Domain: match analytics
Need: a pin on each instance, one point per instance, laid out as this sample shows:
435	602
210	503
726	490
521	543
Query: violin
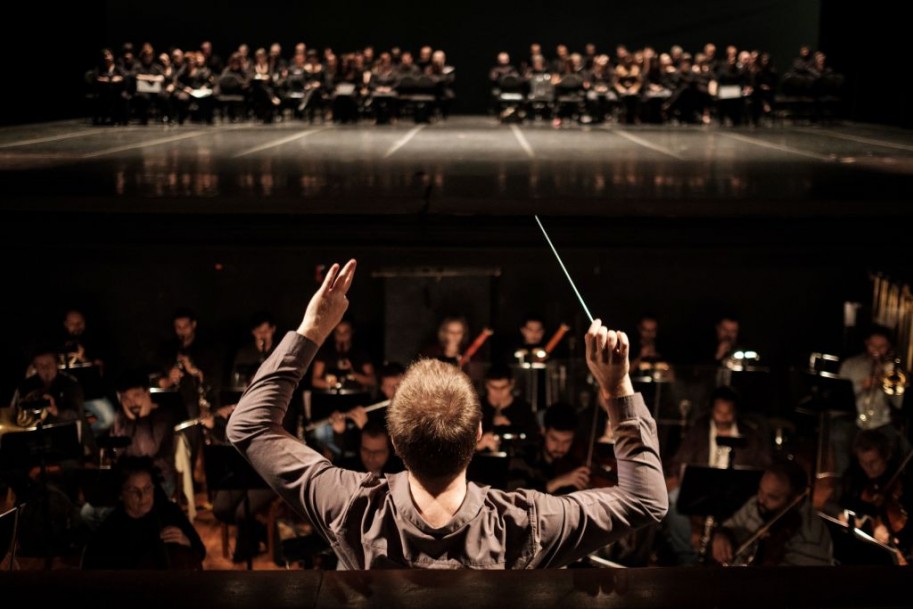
767	546
887	500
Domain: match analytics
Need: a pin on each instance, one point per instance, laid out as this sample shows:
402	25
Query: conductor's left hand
328	304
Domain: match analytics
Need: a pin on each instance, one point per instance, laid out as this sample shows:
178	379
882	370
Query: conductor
429	516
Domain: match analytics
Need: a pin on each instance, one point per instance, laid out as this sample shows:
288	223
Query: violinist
792	539
549	465
879	487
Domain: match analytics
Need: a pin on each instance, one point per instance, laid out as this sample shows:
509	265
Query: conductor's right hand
607	359
328	304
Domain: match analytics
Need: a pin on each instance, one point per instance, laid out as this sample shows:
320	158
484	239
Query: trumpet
894	379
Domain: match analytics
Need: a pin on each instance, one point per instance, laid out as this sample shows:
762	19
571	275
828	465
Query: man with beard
550	467
795	539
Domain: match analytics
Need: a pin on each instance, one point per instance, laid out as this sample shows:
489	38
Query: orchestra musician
874	407
452	337
700	447
340	362
250	356
646	350
48	394
878	489
501	408
145	530
188	365
794	538
549	465
149	426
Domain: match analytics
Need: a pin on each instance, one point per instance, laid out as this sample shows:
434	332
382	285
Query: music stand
227	470
9	522
99	486
324	403
489	468
710	491
824	395
853	547
40	446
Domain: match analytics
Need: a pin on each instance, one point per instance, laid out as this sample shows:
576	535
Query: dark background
62	42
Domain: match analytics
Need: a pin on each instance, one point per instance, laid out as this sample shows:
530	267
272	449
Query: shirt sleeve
811	546
572	526
298	473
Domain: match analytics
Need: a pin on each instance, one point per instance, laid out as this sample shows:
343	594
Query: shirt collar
405	507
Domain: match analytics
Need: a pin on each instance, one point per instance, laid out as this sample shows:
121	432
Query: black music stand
853	547
824	395
324	403
710	491
40	446
489	468
9	522
227	470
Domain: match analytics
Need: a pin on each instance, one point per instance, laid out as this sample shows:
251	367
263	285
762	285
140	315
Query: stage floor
464	166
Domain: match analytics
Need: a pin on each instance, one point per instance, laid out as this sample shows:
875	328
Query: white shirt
719	455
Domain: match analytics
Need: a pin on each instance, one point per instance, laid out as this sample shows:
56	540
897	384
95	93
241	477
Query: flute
326	421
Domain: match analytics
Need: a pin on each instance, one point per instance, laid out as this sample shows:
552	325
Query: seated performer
254	353
549	466
877	483
452	336
47	395
145	531
149	426
501	408
436	518
794	539
375	455
341	363
700	447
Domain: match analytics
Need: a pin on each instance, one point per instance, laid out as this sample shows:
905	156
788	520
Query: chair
569	97
417	95
511	98
541	97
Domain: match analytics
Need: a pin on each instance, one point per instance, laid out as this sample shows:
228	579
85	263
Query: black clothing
123	542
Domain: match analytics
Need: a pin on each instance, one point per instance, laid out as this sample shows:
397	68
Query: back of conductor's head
434	421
